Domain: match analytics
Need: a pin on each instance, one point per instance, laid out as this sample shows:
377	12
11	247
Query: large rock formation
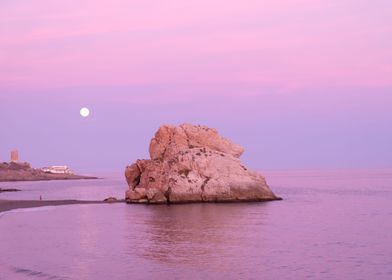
193	164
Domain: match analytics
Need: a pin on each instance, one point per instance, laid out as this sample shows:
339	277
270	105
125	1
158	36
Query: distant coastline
46	177
10	172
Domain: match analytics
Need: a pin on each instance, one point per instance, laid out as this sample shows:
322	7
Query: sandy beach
6	205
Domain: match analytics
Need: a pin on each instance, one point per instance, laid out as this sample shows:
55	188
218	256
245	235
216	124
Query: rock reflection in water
199	235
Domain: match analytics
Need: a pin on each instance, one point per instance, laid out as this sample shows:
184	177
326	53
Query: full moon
84	112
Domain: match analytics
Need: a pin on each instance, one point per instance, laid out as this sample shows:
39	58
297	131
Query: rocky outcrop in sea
192	163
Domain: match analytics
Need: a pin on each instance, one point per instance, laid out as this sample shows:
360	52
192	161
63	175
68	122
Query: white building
57	169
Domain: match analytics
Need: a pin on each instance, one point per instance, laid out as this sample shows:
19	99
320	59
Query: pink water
330	225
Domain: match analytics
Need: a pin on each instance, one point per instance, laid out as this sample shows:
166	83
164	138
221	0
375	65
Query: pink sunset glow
291	44
195	139
269	62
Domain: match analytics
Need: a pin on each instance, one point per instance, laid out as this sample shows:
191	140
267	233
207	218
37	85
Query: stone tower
14	156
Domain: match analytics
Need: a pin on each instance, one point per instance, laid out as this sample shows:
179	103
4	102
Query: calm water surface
330	225
111	184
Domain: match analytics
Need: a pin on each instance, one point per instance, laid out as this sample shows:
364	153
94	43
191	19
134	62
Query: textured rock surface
193	164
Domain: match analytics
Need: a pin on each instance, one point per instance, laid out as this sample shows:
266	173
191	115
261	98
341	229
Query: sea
331	224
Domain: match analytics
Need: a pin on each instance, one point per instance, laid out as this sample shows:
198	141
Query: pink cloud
290	45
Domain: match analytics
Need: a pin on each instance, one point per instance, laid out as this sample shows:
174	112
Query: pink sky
325	66
281	44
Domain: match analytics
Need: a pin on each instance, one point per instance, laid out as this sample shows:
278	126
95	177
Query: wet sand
6	205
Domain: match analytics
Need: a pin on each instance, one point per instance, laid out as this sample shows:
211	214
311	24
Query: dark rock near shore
110	199
9	190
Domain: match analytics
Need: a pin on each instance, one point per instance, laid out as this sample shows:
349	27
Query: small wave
38	274
23	210
30	209
9	271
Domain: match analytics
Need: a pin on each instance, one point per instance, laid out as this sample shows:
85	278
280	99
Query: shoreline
7	205
16	171
52	178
